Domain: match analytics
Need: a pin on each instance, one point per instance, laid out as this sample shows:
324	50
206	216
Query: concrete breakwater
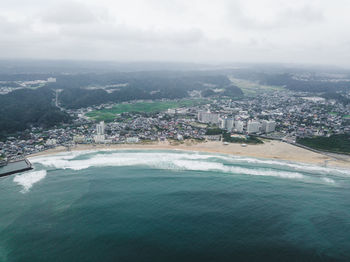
15	167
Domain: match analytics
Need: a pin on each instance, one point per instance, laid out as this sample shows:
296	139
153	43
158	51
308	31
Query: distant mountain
88	90
78	67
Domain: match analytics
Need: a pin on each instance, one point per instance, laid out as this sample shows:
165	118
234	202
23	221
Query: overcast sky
298	31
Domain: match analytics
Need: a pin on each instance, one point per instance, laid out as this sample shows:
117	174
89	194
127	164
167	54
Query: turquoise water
173	206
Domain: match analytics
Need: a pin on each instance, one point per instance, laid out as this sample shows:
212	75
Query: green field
109	114
252	89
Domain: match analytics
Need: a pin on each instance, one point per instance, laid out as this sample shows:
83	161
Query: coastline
275	150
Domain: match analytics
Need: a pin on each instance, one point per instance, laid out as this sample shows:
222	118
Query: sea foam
27	180
188	161
60	160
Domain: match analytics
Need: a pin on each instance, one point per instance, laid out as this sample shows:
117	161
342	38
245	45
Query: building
100	128
268	126
171	111
51	142
180	137
79	139
213	137
132	140
228	124
239	125
181	111
253	127
99	138
100	133
209	118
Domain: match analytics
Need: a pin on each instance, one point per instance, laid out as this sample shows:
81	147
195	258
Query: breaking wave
190	161
294	166
27	180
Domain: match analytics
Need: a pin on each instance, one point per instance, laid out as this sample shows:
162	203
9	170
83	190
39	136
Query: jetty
13	167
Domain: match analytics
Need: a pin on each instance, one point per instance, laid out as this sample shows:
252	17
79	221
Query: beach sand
269	150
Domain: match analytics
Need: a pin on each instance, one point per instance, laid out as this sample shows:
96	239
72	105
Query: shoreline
273	150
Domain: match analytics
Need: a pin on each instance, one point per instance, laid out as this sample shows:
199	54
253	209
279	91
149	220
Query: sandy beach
269	150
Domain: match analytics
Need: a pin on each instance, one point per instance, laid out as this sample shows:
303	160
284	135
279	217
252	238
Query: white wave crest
172	161
282	163
211	166
79	160
61	156
27	180
59	160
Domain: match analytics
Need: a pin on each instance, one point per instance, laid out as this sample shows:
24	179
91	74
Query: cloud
277	18
177	30
304	15
124	34
69	13
8	27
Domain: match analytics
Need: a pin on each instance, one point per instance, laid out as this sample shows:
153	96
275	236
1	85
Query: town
282	115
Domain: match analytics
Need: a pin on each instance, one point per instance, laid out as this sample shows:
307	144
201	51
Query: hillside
22	108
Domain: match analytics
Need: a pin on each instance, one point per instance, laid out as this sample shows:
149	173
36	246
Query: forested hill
22	108
289	81
88	90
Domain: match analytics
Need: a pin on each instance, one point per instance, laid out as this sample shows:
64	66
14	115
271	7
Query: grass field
251	89
147	107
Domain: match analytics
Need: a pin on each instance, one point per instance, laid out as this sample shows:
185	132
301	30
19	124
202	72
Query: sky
200	31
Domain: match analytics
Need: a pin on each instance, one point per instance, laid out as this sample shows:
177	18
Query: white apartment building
100	128
207	117
253	127
239	126
268	126
100	133
228	124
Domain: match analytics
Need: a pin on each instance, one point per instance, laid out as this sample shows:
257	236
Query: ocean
144	205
